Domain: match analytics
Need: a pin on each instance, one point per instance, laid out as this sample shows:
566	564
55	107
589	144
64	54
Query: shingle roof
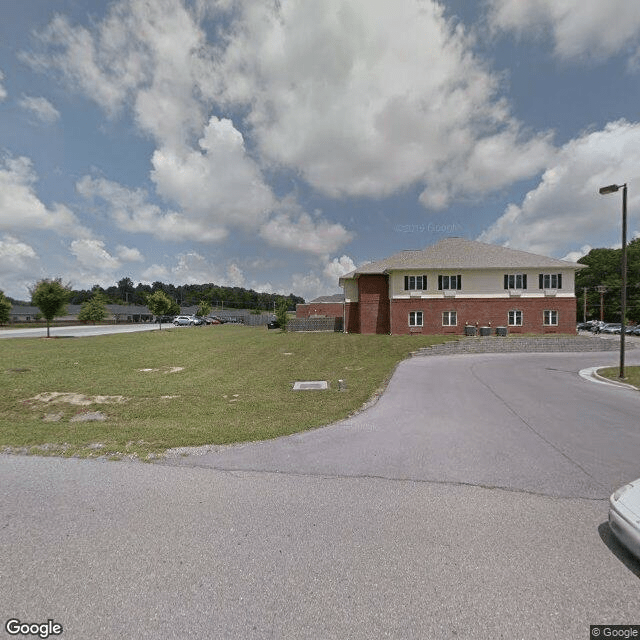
458	253
336	297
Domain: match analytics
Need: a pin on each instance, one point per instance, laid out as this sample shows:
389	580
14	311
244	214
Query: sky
278	144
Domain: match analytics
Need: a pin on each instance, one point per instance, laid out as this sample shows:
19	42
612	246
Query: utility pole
601	290
584	304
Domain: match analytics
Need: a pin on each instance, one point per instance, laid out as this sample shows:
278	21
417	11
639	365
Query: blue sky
277	144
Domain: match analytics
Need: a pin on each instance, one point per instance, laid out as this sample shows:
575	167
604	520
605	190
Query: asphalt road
469	502
80	331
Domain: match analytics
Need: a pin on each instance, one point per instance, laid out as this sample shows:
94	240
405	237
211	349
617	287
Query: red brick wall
373	296
351	317
484	312
326	309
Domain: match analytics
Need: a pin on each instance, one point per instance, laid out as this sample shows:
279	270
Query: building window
515	280
449	319
415	318
515	318
449	282
415	283
550	318
550	281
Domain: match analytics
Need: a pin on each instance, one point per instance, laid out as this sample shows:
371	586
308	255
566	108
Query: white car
624	516
183	320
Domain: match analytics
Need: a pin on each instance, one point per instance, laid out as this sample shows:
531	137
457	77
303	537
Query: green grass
632	374
234	385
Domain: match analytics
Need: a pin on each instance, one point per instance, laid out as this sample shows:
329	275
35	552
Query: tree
5	308
204	309
604	269
50	296
281	313
160	304
94	310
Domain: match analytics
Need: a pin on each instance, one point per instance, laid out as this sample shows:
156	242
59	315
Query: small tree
281	313
204	309
5	308
94	310
50	296
160	304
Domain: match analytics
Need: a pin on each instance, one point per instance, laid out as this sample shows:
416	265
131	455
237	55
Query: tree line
601	282
187	295
51	296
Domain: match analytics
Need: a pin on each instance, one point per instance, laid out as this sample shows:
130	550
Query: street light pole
613	188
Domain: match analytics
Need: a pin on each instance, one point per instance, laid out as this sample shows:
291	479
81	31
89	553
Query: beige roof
457	253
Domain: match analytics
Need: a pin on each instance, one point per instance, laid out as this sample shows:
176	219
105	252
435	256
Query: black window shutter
524	280
540	281
440	283
506	281
424	282
406	283
559	281
459	283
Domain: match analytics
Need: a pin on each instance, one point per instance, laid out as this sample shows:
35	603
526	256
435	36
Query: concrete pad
310	385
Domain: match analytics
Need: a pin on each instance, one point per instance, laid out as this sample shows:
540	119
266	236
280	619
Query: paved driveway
524	421
388	525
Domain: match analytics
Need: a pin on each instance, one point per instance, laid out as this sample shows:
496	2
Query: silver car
183	320
624	516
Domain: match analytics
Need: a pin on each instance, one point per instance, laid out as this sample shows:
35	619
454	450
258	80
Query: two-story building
458	283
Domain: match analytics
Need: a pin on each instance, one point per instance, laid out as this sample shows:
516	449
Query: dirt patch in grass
54	397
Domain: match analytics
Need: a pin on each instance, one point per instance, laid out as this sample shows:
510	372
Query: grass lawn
632	374
184	387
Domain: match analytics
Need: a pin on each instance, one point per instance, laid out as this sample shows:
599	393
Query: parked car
215	320
624	516
611	327
183	320
274	324
636	330
164	319
197	320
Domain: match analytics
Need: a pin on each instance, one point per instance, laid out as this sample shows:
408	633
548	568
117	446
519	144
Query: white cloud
131	211
338	267
156	273
592	30
129	254
3	91
360	97
296	230
41	108
20	207
19	266
565	210
149	55
193	268
91	254
574	256
323	280
366	97
218	184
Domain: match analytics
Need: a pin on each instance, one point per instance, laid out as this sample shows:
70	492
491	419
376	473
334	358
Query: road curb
591	373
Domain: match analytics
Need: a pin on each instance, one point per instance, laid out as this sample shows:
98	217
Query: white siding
478	283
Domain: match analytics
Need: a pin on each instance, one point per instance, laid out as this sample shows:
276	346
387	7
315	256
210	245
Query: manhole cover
310	384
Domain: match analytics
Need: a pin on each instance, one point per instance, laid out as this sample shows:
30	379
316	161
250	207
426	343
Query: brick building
322	307
456	284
